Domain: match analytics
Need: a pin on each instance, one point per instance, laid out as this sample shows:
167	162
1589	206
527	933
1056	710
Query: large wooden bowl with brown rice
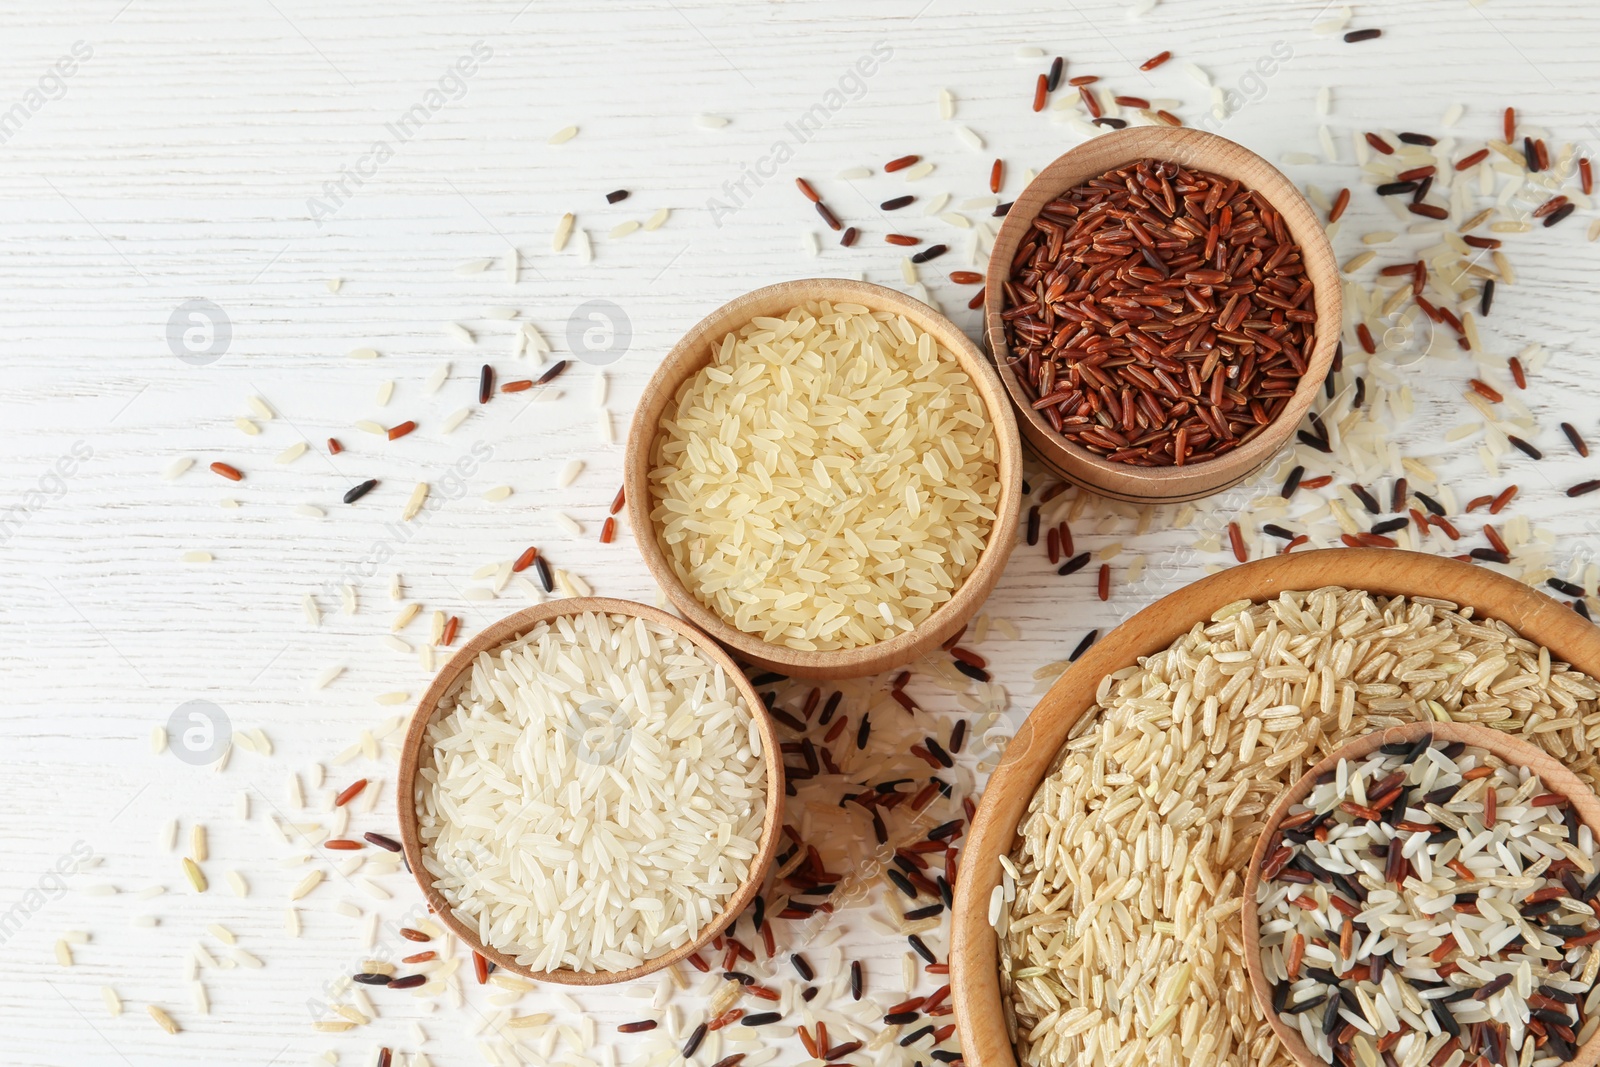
1217	1012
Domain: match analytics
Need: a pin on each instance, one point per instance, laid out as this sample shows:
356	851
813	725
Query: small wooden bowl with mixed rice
596	749
1197	151
863	457
1548	637
1555	780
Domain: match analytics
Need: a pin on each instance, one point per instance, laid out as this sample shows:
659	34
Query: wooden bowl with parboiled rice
1124	812
1142	352
590	790
1433	879
825	476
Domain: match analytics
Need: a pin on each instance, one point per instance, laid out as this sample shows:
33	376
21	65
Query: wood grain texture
178	164
693	352
1199	150
1514	751
973	953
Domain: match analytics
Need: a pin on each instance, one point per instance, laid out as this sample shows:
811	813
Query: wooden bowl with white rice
590	791
826	477
1128	745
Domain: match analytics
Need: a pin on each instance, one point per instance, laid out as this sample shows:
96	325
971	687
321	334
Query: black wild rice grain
759	912
857	980
1419	138
802	967
1361	390
1305	1005
1368	501
1291	483
410	981
902	883
1053	79
740	977
849	236
372	979
730	1061
937	749
829	217
808	994
1559	213
829	708
921	949
1581	608
1272	529
1000	210
357	492
767	678
760	1018
1489	555
1389	526
863	732
944	1055
1396	188
1561	585
944	830
1361	35
916	1035
958	735
897	202
1033	525
1083	646
1494	985
542	565
946	893
387	843
1111	124
1584	487
1487	299
1313	441
1433	506
1397	496
644	1026
616	195
691	1046
1576	438
552	374
918	914
931	252
1530	155
485	384
1075	564
1524	447
899	1018
975	673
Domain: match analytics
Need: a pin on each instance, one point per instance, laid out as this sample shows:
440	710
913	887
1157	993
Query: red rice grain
849	236
903	239
828	216
1509	123
334	447
1379	144
608	530
522	385
977	299
997	172
900	164
1041	92
965	277
450	627
1155	61
350	792
1236	541
1518	375
1340	202
1472	160
1585	175
228	471
1499	503
1133	101
1089	101
1083	79
806	190
1485	390
1104	586
619	500
397	432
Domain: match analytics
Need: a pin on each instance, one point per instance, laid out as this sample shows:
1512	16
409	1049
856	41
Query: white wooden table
245	154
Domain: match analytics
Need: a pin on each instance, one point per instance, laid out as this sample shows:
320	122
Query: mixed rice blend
1118	916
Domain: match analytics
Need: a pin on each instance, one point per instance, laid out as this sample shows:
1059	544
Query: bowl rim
444	684
1552	772
1205	151
692	351
974	953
